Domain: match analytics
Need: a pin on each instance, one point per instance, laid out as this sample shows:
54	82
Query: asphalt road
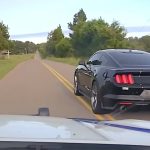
41	83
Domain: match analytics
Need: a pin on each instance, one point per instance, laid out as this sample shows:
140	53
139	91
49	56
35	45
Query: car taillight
124	79
130	79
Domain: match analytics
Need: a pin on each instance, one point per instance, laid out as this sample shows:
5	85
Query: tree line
15	47
4	37
88	36
19	47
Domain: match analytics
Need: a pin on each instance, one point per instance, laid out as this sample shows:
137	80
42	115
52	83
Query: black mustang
114	77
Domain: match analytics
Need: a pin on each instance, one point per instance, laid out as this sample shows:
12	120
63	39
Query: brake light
124	79
118	78
130	79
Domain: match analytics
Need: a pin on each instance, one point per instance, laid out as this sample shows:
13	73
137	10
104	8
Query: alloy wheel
94	97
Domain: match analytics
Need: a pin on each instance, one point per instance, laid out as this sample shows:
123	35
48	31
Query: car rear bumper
111	101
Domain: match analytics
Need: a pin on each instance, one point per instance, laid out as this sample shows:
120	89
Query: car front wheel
76	88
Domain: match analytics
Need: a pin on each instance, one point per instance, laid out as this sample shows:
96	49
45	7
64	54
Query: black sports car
113	78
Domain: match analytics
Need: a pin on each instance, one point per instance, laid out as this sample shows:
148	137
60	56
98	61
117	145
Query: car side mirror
89	63
96	62
82	62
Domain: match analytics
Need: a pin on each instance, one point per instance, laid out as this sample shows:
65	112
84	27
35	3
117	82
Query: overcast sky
35	16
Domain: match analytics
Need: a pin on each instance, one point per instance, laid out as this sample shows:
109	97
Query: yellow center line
110	117
61	76
69	86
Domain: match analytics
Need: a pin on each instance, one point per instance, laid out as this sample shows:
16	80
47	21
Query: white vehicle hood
52	129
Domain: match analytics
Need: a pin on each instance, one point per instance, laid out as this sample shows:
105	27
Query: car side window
104	61
95	59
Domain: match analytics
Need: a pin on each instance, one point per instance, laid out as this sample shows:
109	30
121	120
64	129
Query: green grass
8	64
67	60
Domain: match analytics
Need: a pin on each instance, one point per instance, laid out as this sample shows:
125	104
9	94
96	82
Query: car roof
110	51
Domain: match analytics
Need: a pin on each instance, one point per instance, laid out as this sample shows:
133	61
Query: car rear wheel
96	101
76	88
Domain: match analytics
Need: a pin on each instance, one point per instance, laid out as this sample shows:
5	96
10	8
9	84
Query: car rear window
132	58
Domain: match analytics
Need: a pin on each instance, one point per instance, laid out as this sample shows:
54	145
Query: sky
25	17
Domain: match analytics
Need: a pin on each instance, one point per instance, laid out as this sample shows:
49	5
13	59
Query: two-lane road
42	83
30	86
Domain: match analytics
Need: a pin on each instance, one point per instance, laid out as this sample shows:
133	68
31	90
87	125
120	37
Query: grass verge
8	64
68	60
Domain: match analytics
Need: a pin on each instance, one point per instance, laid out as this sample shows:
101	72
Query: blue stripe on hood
93	121
128	127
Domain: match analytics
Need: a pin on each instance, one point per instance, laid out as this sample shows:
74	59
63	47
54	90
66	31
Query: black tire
76	88
96	101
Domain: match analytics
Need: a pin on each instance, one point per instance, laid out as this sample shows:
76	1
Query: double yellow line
69	86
